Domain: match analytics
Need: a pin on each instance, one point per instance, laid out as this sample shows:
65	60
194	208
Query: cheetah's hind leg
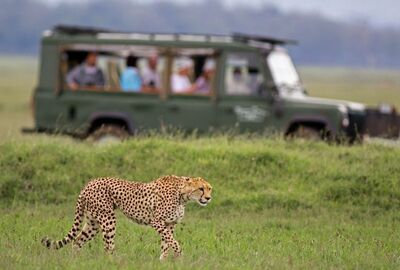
90	229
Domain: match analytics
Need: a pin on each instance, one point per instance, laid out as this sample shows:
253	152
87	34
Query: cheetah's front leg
176	247
107	225
167	239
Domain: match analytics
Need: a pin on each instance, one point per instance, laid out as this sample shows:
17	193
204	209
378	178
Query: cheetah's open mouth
203	202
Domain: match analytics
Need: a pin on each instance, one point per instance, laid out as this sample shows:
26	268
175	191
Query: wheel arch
98	119
317	122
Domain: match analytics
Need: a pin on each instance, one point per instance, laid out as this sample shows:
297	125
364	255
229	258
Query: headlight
345	112
345	122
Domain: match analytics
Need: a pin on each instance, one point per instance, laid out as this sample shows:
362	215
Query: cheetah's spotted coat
159	204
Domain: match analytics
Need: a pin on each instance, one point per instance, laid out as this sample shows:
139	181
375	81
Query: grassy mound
276	204
246	173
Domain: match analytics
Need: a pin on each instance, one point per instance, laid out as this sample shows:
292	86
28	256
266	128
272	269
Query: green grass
272	238
276	204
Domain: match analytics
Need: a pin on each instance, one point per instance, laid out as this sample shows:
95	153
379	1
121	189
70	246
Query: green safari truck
99	83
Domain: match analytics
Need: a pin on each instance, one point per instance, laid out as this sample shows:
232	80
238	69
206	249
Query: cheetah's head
198	190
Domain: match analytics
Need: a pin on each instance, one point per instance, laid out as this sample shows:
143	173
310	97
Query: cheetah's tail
71	235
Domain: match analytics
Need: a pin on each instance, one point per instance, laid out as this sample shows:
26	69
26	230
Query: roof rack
103	33
79	30
107	33
240	37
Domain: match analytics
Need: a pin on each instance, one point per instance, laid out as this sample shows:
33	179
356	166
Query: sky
377	12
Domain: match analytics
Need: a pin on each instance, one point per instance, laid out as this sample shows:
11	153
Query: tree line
322	41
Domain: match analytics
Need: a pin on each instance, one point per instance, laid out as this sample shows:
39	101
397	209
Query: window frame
262	70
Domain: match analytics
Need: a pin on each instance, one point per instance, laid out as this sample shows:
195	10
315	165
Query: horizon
323	41
360	10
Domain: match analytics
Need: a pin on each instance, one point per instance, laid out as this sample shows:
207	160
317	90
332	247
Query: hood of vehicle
352	106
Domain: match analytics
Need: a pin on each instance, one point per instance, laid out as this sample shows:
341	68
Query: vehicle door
242	101
192	106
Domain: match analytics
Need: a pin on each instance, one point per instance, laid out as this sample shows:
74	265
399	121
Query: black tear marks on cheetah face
160	204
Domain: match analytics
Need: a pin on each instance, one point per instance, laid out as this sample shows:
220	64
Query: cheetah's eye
201	189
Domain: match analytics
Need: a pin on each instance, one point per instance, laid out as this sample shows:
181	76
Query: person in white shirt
180	82
150	76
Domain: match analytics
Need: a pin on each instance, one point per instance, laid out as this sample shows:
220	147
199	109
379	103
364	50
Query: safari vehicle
254	87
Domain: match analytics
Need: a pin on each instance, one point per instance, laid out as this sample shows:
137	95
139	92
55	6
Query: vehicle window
117	69
142	74
243	75
193	72
282	69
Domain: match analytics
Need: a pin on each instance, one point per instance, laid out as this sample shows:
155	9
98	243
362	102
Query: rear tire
109	133
307	133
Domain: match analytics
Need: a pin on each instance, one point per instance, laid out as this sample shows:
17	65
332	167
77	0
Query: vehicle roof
74	34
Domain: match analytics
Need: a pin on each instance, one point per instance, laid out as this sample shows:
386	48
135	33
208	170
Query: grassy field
18	78
276	204
368	86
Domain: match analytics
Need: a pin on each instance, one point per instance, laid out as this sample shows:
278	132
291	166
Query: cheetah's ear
188	186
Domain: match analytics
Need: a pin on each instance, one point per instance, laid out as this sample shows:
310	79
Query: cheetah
159	204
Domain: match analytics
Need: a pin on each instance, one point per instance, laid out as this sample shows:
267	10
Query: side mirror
270	96
270	93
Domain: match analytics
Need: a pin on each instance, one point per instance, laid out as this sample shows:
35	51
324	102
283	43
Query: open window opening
243	75
193	71
113	68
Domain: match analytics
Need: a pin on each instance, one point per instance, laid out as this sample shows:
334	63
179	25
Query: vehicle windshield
284	73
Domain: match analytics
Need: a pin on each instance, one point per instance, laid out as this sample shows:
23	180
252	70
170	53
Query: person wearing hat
180	82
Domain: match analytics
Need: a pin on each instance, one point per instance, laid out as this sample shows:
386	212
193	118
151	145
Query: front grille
379	124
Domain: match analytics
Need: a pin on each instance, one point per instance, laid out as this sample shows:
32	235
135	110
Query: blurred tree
322	41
